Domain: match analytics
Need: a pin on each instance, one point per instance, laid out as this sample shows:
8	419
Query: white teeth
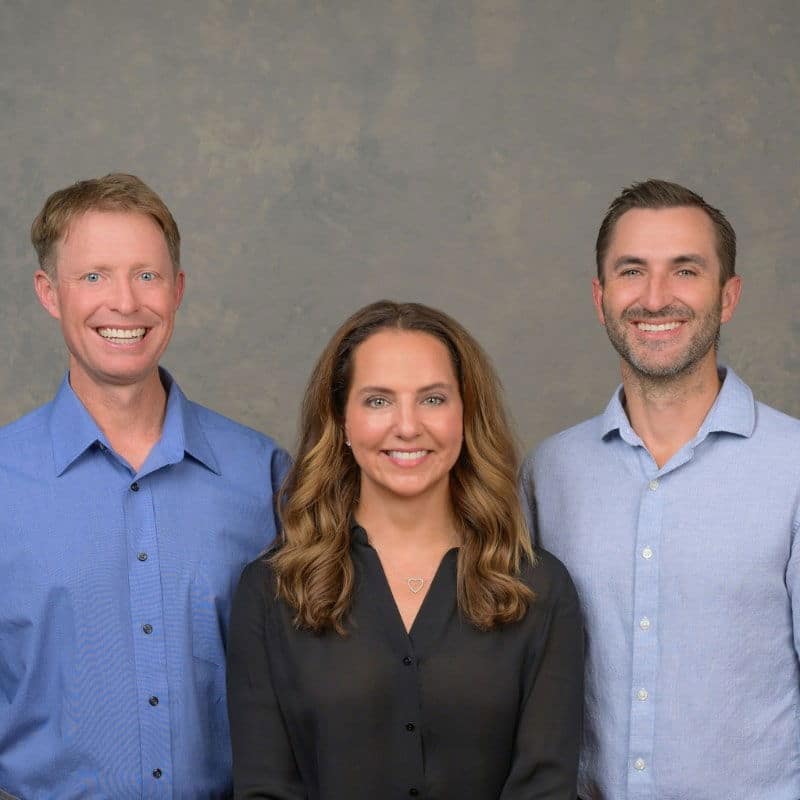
402	455
118	335
663	326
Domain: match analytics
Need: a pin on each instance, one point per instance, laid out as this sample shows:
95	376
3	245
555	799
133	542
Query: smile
406	455
657	326
122	335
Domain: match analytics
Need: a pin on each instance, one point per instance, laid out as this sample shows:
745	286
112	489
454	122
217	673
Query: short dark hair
654	193
114	192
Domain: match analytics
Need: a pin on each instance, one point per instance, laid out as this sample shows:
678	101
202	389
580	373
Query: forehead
662	233
111	237
391	357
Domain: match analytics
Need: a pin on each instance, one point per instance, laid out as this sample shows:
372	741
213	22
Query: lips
407	455
122	335
657	327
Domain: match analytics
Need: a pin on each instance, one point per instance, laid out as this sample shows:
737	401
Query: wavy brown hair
313	567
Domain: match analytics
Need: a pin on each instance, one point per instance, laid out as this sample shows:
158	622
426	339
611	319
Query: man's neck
130	416
666	413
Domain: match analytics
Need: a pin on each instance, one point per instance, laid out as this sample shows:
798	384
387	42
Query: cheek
451	431
363	428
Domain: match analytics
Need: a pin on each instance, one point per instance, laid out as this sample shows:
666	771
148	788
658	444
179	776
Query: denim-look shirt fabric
689	578
116	591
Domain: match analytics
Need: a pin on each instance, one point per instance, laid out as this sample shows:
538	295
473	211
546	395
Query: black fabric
445	712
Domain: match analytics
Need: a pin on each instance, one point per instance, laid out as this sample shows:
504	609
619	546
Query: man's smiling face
115	294
661	300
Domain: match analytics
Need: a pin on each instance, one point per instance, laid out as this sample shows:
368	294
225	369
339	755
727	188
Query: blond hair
114	192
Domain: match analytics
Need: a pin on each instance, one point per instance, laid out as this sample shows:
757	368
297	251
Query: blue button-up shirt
689	576
115	590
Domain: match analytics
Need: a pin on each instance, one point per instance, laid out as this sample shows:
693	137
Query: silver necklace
415	584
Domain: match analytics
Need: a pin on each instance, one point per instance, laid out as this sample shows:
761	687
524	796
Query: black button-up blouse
445	712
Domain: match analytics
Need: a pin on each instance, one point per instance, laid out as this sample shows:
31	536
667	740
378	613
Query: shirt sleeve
279	466
545	759
527	496
263	762
793	583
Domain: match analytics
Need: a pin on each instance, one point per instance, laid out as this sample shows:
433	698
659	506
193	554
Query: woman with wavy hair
403	639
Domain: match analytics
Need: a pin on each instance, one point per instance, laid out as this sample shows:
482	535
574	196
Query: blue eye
148	276
377	402
434	400
92	277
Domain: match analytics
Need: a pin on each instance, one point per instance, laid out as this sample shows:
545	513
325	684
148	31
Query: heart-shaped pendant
415	584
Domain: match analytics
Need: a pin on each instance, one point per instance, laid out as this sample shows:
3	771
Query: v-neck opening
423	612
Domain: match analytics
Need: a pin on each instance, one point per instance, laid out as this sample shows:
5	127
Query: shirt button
642	694
647	552
153	701
639	764
653	485
135	486
413	791
409	726
644	624
157	773
147	628
142	556
408	661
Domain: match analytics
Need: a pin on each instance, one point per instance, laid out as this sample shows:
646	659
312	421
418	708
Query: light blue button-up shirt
115	590
689	577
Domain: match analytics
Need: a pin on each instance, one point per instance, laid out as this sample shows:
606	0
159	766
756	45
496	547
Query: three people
128	514
676	511
403	639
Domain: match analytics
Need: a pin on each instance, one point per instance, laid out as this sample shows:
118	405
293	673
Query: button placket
645	634
147	616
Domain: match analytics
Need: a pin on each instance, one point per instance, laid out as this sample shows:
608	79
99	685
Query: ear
597	298
731	292
180	285
45	288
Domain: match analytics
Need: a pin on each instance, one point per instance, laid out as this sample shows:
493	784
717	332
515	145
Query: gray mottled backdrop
319	155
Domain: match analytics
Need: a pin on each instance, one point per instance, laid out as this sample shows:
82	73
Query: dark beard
704	339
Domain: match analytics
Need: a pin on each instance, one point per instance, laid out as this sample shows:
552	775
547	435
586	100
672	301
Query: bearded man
677	512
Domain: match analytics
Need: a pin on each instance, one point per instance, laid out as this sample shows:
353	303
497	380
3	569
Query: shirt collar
357	533
733	412
182	433
73	430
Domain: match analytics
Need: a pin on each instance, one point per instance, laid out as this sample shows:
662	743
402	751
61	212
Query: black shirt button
409	726
142	556
135	486
408	661
147	628
413	791
157	773
153	701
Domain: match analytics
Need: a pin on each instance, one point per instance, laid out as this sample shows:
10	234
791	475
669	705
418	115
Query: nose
407	421
656	294
123	297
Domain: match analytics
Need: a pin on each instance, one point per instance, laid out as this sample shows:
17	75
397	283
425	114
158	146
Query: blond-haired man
129	512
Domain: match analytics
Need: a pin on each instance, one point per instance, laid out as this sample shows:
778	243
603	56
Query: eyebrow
432	387
683	258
